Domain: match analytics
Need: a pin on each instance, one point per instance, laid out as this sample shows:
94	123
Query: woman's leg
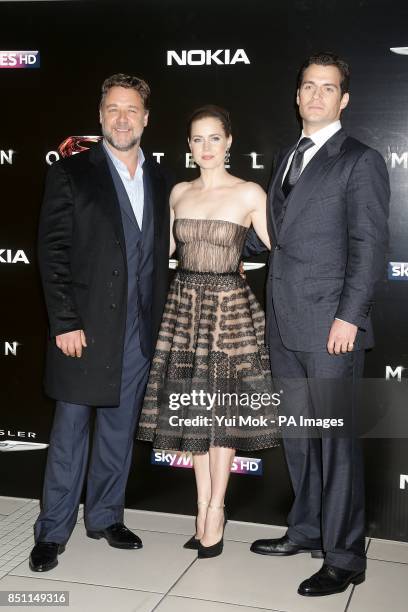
201	464
220	461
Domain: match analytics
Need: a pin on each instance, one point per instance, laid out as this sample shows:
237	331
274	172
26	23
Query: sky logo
19	59
398	270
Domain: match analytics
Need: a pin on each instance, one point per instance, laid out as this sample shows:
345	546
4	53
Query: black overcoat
82	259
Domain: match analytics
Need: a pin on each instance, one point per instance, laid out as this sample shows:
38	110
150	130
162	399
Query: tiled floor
163	576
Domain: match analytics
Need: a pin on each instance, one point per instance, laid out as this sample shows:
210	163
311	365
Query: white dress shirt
319	138
133	185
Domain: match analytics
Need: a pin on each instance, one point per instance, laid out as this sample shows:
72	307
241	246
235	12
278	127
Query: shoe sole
94	535
50	566
359	579
315	554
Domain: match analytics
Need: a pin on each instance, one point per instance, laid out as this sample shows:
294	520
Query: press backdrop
244	56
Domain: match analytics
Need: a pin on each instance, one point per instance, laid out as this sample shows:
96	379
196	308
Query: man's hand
341	337
71	343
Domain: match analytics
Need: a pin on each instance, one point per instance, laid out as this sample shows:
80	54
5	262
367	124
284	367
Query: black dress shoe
207	552
117	535
44	556
329	580
280	547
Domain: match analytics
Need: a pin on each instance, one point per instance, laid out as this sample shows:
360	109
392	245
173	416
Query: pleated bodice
209	245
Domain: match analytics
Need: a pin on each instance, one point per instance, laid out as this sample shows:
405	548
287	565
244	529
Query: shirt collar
322	136
118	163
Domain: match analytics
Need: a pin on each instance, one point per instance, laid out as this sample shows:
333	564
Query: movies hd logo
206	57
178	459
19	59
398	270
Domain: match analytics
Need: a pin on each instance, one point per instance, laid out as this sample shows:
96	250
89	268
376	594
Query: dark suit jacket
329	251
83	265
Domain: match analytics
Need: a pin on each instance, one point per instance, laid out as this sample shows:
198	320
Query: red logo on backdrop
76	144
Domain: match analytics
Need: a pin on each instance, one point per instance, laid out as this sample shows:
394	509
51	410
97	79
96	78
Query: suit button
137	277
278	247
117	242
113	306
115	273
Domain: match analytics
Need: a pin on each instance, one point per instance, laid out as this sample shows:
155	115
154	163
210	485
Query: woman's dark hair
129	82
328	59
210	110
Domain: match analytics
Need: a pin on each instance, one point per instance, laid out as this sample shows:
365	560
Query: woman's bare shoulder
252	188
178	190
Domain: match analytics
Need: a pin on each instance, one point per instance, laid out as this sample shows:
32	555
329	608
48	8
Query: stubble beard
121	147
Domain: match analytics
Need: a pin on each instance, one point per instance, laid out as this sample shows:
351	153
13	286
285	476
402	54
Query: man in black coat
103	255
327	218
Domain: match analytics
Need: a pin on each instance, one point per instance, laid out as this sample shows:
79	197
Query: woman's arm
175	196
258	213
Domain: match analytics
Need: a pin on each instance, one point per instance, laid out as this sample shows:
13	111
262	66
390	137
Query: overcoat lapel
107	193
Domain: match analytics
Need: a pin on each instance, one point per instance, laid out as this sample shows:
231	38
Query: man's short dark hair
328	59
129	82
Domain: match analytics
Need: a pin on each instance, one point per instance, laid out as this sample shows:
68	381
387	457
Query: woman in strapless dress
211	367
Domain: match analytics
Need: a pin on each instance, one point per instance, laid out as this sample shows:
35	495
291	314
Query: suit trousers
325	465
110	458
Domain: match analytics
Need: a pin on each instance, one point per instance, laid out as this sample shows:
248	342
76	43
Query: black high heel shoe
193	542
206	552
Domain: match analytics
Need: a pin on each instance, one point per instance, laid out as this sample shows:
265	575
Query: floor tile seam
226	538
144	530
12	515
388	561
102	586
14	543
17	536
26	507
18	554
226	603
174	584
22	513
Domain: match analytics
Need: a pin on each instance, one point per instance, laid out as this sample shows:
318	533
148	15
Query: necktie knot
304	144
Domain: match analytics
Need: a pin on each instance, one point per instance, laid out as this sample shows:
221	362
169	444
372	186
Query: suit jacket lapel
311	178
107	193
275	183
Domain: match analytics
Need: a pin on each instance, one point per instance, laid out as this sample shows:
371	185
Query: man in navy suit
103	254
327	219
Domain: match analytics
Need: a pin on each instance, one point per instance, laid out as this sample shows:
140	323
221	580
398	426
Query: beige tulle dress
211	350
